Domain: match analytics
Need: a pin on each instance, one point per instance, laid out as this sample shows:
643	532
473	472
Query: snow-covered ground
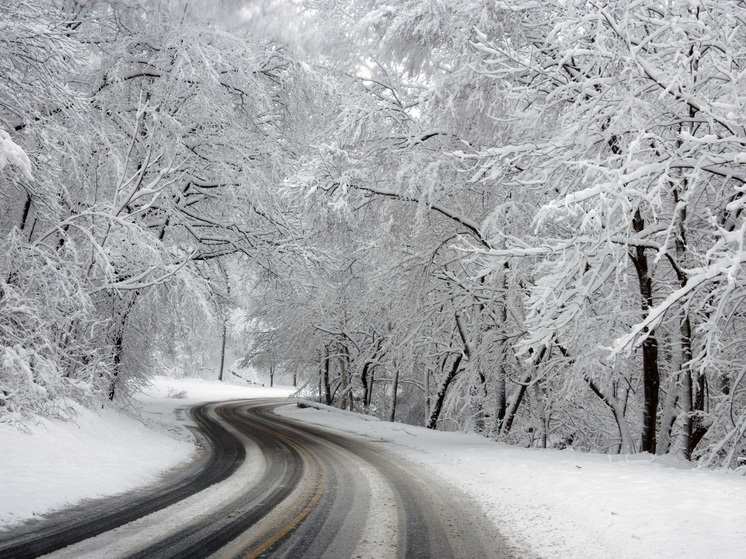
558	504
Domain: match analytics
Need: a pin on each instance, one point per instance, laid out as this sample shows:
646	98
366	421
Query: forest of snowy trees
519	218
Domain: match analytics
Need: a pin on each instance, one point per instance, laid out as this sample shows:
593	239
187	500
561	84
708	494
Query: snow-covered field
558	504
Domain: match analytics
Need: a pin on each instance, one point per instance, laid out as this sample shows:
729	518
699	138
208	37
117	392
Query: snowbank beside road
571	505
61	463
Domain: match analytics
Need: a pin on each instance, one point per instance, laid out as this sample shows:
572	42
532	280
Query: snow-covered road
555	504
272	486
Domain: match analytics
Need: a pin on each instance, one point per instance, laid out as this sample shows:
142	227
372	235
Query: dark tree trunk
501	400
650	373
394	393
440	397
651	385
325	378
24	214
343	359
480	394
618	411
370	389
118	344
517	398
222	353
515	403
366	388
698	428
501	396
118	348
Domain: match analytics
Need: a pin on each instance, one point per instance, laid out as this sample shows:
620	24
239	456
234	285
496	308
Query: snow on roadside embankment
60	463
102	452
571	505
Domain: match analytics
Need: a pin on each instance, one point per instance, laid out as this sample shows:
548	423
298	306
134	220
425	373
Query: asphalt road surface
267	486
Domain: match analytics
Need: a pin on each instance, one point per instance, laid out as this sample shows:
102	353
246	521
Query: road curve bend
273	487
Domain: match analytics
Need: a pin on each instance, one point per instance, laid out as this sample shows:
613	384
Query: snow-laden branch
726	267
559	247
671	88
136	282
471	225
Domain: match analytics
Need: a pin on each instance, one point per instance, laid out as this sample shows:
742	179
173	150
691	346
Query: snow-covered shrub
47	354
29	383
176	394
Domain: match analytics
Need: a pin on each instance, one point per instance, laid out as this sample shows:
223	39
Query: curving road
269	486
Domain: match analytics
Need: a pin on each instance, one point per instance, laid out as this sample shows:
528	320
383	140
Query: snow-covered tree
637	162
157	142
581	165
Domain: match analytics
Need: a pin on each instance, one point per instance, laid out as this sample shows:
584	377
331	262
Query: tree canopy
524	219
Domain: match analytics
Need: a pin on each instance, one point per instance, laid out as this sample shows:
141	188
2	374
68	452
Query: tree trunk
440	396
118	344
687	400
370	391
327	384
118	348
515	403
394	390
445	382
543	417
501	395
366	387
479	393
345	401
651	385
25	213
222	352
668	417
617	409
692	395
692	390
501	402
427	394
650	373
366	375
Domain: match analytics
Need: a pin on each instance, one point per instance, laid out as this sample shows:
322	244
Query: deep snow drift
558	504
